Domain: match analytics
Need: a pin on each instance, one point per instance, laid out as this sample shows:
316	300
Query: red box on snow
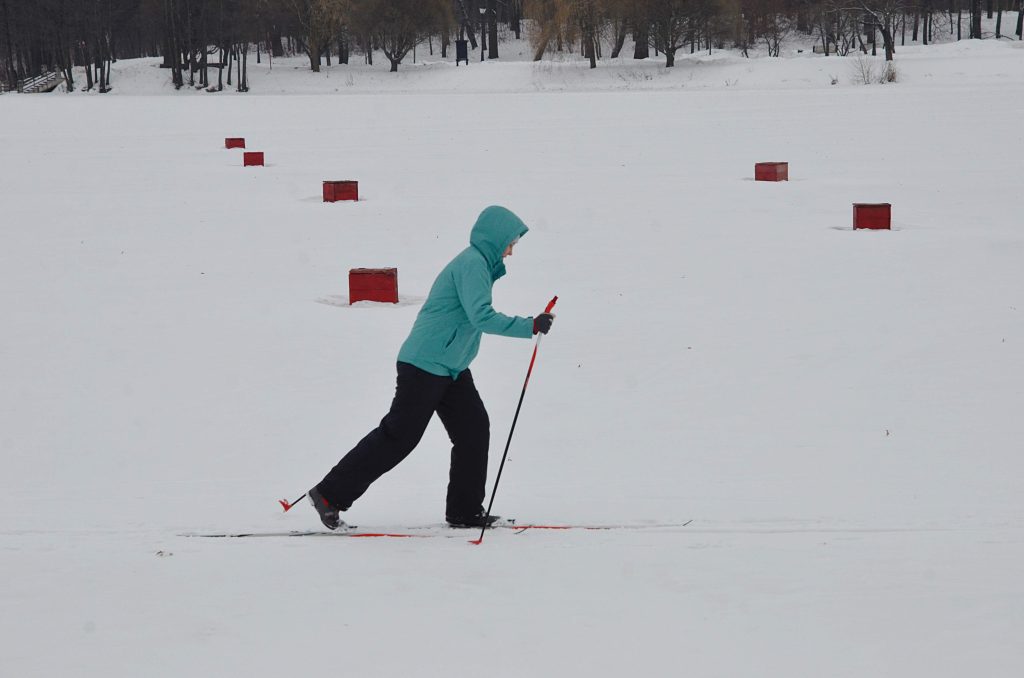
341	190
373	284
253	159
876	216
234	142
771	171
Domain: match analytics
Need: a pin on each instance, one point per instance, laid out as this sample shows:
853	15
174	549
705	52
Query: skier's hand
542	323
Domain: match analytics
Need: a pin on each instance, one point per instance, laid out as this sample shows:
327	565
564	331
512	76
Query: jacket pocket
451	340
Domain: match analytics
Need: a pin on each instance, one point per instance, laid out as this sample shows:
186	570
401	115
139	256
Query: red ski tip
285	504
476	541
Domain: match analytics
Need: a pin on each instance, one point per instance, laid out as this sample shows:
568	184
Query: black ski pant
418	394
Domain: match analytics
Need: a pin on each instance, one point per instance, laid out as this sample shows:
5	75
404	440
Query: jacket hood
493	232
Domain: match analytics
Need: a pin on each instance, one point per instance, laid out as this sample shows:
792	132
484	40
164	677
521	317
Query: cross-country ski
429	530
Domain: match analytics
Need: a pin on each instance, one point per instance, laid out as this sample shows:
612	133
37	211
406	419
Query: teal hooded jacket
446	335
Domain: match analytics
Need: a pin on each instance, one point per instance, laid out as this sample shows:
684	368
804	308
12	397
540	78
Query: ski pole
551	305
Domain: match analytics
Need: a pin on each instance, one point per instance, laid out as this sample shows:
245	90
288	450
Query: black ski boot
328	514
478	520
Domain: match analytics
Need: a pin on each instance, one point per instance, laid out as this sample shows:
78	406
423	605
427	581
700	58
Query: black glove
542	323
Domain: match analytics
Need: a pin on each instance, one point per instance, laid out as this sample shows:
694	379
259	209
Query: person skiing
434	376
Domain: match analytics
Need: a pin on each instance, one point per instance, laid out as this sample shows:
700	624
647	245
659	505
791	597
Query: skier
434	376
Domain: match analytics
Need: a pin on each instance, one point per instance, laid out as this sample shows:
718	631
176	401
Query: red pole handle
551	304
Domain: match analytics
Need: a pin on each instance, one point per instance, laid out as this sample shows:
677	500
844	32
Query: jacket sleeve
473	285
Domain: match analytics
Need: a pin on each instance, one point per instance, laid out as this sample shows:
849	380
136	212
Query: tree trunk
887	38
542	46
976	19
670	58
314	53
1020	20
483	36
12	79
88	71
999	22
238	61
172	52
188	45
276	48
65	59
492	29
641	48
516	18
620	39
168	52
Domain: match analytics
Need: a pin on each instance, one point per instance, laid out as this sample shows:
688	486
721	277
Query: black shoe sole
459	524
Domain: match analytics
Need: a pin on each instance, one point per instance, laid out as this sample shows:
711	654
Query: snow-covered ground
942	65
838	412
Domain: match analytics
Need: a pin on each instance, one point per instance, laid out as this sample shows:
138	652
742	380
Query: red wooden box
373	284
872	215
341	190
771	171
253	159
234	142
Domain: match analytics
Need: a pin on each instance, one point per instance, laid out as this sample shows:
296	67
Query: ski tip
284	503
477	542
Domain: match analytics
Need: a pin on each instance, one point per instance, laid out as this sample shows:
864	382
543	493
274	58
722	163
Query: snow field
837	411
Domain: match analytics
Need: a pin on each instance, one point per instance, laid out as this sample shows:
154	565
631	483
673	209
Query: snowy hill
837	411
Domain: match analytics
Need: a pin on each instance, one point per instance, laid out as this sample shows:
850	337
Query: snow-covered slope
838	412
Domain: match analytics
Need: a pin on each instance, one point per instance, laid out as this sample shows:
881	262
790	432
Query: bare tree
670	26
549	20
882	15
320	20
588	19
397	26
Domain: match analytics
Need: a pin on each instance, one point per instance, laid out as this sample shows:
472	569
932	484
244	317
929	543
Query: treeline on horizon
196	38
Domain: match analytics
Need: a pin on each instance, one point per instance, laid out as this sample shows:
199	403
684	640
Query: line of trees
195	37
668	26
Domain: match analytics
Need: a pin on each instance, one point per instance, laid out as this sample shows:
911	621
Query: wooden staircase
47	82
